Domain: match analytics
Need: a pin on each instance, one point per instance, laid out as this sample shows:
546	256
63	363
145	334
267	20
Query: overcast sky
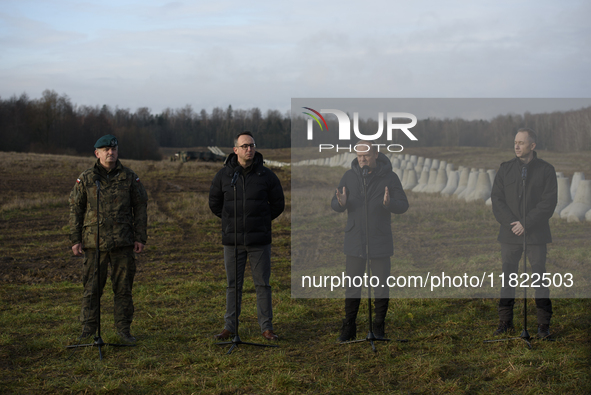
160	54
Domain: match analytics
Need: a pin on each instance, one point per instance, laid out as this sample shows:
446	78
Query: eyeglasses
247	146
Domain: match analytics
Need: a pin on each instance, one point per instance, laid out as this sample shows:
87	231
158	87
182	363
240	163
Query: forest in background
53	124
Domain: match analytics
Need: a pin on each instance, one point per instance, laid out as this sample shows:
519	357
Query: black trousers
380	267
511	255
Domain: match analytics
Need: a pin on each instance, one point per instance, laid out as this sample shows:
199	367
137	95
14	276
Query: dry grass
27	204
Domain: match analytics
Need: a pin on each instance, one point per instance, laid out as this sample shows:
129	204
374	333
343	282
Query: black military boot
348	331
504	327
543	331
126	336
87	332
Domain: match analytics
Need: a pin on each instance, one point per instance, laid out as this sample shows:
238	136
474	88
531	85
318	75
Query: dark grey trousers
511	255
260	265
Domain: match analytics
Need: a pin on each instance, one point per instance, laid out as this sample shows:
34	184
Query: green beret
106	141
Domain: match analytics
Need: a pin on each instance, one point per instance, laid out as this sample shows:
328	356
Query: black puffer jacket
259	201
380	231
540	193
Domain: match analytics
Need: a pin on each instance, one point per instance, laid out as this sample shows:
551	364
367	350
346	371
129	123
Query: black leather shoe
504	327
126	337
348	331
543	331
379	329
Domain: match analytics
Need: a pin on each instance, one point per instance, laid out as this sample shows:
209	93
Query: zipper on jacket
243	208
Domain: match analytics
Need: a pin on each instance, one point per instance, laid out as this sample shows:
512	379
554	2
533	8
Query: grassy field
179	297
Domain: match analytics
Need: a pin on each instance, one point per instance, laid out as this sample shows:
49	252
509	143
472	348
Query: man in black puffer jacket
385	196
259	199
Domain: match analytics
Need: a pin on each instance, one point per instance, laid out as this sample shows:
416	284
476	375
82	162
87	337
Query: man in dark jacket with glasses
259	201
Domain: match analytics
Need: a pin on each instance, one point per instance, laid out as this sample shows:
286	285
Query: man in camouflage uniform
123	233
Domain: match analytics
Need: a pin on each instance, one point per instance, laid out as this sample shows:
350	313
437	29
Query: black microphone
236	175
365	171
524	172
97	180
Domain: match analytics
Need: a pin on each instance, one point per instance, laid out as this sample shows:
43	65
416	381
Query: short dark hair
246	132
530	132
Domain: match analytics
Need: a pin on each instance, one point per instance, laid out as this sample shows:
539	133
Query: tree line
52	124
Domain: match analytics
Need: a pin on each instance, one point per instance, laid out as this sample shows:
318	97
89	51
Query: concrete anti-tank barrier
472	179
482	189
582	202
463	182
431	183
453	177
411	179
564	198
440	181
422	181
577	178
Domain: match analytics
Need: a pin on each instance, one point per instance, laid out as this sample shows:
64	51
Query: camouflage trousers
122	263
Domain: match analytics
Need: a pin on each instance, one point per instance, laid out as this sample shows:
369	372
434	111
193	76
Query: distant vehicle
186	156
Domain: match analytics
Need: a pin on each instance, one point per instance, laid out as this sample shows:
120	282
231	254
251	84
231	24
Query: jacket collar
383	165
231	161
534	159
99	168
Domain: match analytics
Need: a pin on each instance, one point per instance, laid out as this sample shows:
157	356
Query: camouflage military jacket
123	217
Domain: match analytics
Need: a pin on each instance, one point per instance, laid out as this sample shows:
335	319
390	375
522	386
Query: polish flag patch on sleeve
78	181
137	179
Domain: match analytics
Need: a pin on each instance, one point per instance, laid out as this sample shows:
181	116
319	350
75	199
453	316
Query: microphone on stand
237	171
364	173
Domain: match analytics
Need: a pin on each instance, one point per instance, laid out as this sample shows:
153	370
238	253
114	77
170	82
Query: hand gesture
342	197
386	197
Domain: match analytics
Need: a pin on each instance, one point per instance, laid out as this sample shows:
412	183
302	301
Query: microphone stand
98	341
524	333
371	338
236	340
